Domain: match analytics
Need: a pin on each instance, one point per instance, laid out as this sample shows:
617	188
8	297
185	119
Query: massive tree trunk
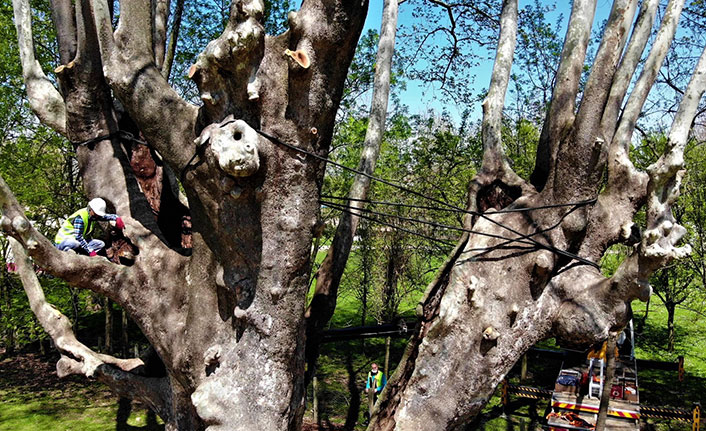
529	272
225	319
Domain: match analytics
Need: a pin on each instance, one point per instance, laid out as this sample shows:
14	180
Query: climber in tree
78	227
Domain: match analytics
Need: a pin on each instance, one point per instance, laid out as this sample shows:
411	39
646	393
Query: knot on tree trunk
234	145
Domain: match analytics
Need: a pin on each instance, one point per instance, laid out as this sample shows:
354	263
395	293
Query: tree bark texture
510	282
226	320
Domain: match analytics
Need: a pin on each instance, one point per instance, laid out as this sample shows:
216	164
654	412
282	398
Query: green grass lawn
33	398
53	404
81	409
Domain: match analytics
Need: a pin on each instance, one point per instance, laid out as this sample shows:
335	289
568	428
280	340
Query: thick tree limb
659	245
130	71
493	153
121	375
496	185
135	30
626	190
329	274
654	61
638	40
64	18
44	99
560	117
581	157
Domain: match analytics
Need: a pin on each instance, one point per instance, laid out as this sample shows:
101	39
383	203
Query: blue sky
420	98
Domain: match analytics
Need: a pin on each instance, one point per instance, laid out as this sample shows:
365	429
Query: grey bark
173	39
236	303
560	117
44	99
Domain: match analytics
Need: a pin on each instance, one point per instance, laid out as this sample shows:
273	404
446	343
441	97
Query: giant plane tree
250	160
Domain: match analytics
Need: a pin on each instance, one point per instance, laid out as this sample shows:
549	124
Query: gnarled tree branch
626	190
659	245
121	375
226	72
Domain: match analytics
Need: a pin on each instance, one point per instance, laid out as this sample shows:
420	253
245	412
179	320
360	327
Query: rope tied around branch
122	134
521	238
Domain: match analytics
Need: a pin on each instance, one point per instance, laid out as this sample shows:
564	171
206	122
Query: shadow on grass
124	412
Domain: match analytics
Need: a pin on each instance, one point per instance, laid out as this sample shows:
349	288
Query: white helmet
98	206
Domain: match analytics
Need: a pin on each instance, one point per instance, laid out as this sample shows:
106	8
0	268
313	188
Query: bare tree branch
659	245
485	192
627	187
130	71
581	158
637	98
173	39
64	19
493	153
44	99
160	13
329	274
121	375
560	117
638	40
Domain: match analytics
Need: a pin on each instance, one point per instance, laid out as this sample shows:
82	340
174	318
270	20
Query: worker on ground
75	232
373	386
375	381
